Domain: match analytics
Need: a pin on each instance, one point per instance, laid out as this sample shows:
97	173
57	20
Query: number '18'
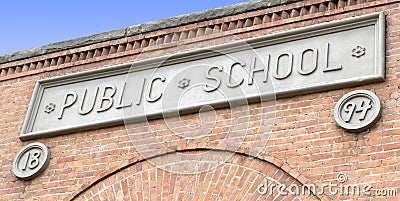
32	160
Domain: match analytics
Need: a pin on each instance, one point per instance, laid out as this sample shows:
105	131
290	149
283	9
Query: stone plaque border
41	166
369	122
375	19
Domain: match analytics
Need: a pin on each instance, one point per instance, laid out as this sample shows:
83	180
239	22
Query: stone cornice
143	28
210	25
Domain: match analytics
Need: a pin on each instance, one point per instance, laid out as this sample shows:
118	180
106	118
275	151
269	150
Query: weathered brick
305	145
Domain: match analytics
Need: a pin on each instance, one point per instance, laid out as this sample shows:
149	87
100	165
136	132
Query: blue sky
28	24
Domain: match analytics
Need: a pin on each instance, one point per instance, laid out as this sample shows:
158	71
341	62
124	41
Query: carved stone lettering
308	69
215	86
230	83
328	67
68	103
283	69
81	110
263	69
121	101
107	100
150	96
140	97
321	57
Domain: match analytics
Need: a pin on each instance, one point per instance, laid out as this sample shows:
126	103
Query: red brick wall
304	146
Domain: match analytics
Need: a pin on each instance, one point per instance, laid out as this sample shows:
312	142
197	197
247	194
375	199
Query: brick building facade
224	154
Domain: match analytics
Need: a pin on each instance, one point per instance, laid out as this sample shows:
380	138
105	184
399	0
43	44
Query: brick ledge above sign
322	57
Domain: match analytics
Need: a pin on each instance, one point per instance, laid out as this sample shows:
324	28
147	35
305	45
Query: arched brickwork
237	178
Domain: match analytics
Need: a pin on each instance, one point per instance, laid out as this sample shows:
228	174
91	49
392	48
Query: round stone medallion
358	110
32	160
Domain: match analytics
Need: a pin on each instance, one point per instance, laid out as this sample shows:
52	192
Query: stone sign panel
326	56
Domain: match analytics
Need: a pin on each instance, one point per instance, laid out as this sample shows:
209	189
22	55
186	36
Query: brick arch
237	178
